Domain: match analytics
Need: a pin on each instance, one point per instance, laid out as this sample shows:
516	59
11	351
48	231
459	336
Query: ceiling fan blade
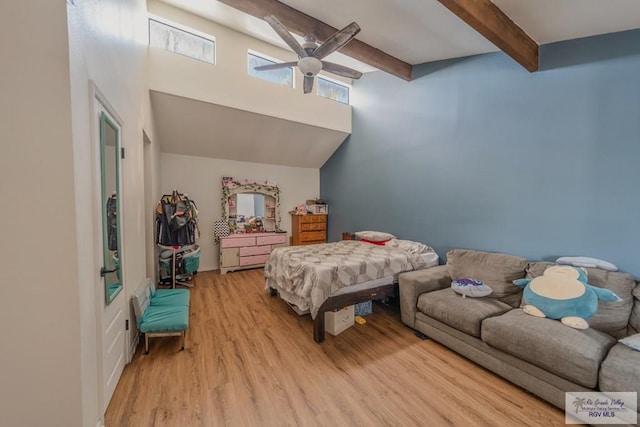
341	70
308	84
277	66
337	40
286	35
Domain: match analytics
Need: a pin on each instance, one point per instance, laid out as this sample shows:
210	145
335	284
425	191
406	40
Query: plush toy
299	210
563	293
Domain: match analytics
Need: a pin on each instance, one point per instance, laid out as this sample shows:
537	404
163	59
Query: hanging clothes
176	220
112	223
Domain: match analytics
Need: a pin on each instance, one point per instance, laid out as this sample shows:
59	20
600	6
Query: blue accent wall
479	153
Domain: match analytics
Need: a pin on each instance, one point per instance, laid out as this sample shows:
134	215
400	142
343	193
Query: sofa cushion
620	371
464	314
634	320
498	271
569	353
612	317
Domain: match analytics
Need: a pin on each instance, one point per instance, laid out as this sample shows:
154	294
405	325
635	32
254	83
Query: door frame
98	104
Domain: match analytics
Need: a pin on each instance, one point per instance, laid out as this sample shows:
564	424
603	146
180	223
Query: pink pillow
381	243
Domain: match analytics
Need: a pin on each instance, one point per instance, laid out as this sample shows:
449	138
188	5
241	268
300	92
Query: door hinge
122	152
126	325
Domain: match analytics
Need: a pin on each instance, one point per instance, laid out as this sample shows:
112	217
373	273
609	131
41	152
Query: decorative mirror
250	207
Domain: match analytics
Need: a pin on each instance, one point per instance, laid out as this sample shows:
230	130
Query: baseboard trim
134	346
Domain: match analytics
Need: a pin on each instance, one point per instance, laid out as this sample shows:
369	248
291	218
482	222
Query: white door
110	301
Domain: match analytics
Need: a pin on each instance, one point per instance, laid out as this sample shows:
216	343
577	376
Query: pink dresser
241	251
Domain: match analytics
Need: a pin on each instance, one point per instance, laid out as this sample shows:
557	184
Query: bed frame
343	300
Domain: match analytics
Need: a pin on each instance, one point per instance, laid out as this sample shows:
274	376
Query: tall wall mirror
110	183
250	207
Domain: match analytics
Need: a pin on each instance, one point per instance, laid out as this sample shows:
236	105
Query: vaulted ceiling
398	34
395	36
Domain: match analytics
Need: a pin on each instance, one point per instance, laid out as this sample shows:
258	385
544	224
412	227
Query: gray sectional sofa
543	356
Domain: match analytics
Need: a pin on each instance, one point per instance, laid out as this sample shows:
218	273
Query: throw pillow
633	341
470	287
583	261
493	269
374	236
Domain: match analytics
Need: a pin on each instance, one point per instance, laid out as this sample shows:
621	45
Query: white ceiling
196	128
418	31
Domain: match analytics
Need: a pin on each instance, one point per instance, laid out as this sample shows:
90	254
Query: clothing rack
177	230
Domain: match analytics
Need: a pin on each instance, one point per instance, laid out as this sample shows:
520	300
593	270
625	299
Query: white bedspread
307	275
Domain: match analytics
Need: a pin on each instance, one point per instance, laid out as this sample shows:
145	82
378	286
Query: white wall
40	354
49	360
107	45
227	83
151	154
201	177
151	169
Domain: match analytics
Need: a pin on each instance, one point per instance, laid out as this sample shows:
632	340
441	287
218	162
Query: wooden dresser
308	229
242	251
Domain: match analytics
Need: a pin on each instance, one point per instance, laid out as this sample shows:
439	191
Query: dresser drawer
253	260
306	219
255	250
319	218
313	236
272	240
314	226
236	242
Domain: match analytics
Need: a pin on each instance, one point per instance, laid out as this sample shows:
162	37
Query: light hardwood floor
251	361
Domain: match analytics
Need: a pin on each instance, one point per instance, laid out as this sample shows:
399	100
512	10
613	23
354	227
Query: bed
329	276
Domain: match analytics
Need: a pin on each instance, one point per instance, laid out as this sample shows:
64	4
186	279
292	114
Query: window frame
275	61
183	28
334	81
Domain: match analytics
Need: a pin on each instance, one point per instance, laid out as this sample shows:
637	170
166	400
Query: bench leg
146	344
182	339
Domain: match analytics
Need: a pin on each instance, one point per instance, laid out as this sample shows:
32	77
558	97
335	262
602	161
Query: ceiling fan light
309	66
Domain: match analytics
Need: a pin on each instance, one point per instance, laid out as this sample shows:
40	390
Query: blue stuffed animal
562	292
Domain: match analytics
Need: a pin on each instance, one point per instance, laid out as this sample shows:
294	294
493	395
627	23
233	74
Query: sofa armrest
414	283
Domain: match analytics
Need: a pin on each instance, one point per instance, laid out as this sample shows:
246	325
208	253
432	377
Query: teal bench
161	313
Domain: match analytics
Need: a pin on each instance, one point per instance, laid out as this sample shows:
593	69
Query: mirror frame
110	294
230	188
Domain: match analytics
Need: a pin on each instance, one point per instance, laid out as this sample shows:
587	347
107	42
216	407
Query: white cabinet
242	251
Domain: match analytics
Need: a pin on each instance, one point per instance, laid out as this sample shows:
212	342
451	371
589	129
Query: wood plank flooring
251	361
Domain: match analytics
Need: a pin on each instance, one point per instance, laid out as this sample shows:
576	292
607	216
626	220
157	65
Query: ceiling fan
310	54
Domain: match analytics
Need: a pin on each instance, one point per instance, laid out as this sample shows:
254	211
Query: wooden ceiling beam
301	24
487	19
